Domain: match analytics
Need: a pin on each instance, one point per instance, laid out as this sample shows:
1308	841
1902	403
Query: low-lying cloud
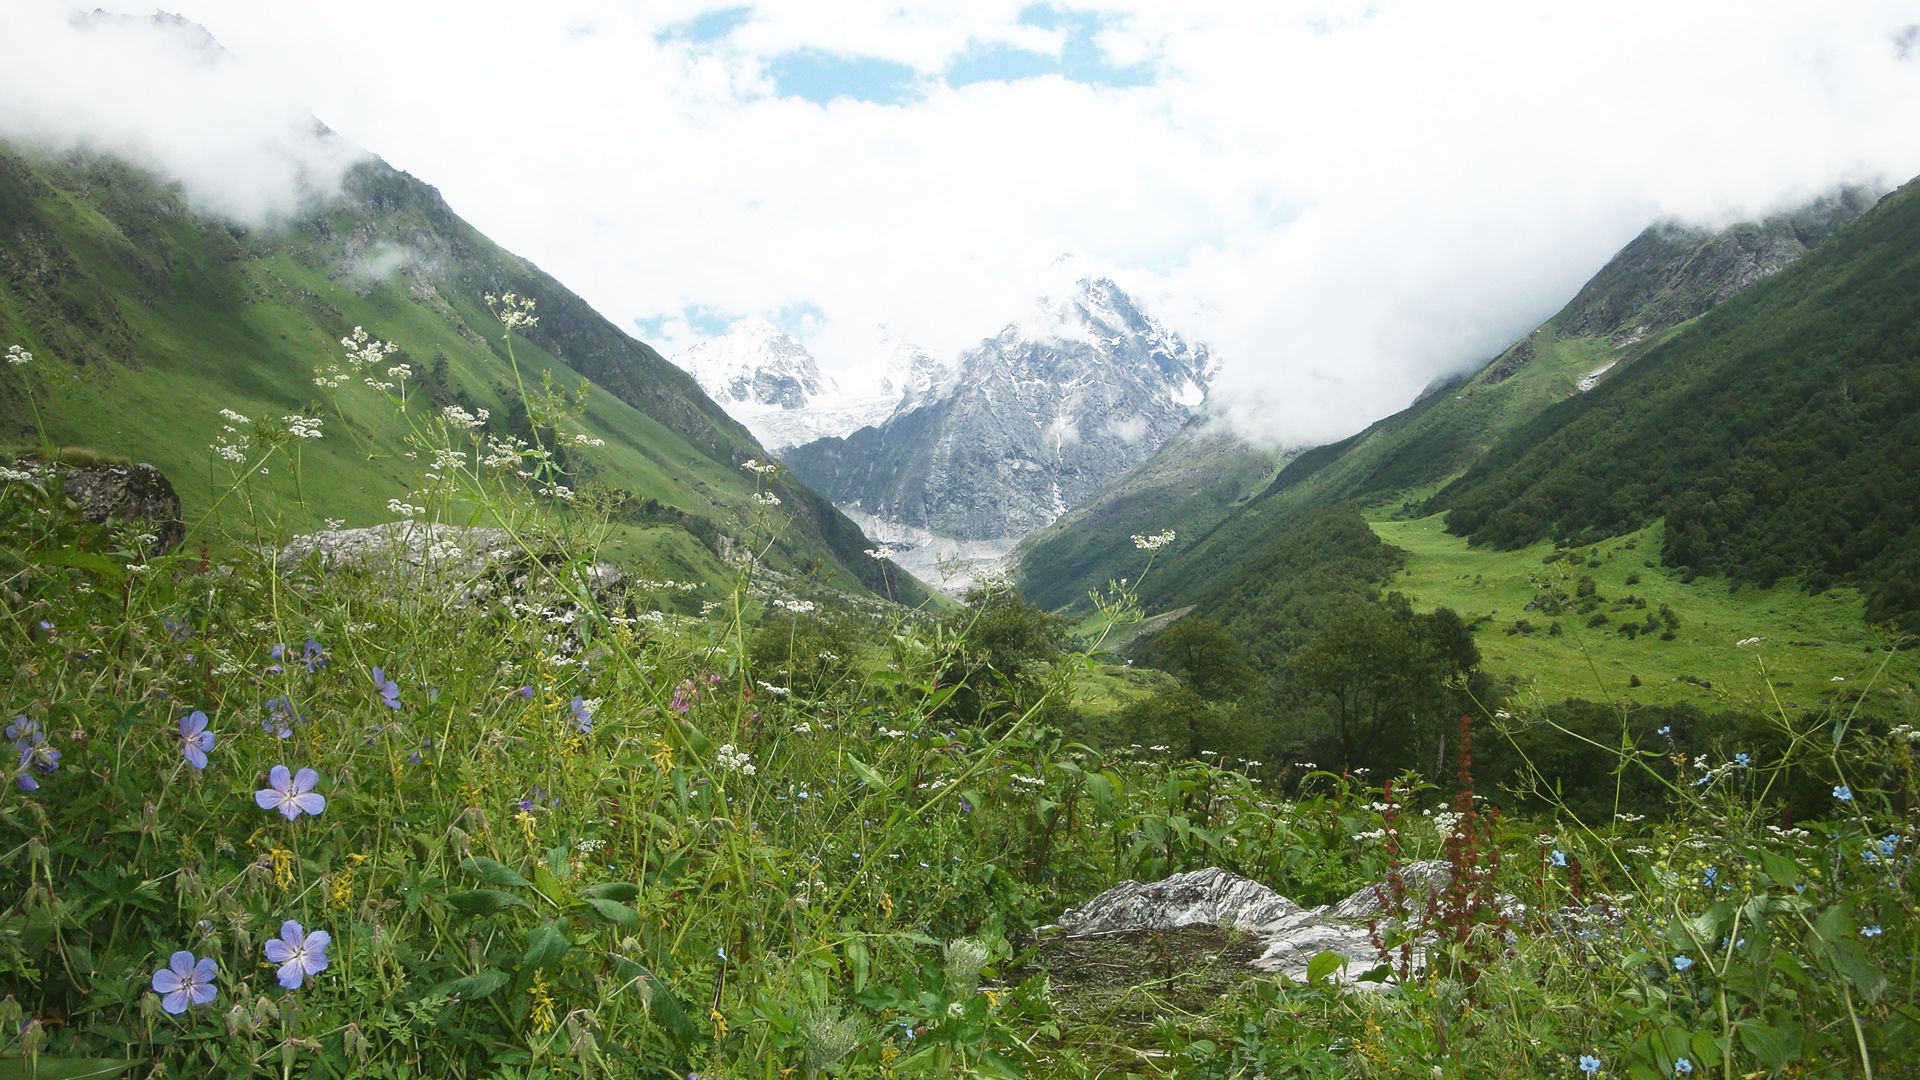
162	93
1345	200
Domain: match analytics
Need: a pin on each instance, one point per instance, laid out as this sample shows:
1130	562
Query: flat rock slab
1273	933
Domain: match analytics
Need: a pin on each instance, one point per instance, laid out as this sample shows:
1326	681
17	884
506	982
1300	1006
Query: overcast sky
1344	200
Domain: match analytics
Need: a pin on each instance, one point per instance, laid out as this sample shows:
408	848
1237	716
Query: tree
1205	657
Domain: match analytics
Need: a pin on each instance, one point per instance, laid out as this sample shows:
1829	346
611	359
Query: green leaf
623	891
472	987
1323	965
1782	870
65	1069
1767	1045
483	901
495	873
545	946
549	884
616	913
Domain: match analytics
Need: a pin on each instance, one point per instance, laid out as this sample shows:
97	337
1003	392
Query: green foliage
1779	436
1003	658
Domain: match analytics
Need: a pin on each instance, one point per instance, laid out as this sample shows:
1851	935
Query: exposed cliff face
1033	421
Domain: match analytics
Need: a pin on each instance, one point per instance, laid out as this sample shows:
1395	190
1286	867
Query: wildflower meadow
520	816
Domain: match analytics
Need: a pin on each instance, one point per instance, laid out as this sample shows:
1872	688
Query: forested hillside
1779	436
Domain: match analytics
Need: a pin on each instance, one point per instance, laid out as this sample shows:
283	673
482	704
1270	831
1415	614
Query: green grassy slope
147	319
1779	436
1807	640
1190	484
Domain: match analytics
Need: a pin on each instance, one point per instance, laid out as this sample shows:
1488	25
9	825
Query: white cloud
1344	201
163	94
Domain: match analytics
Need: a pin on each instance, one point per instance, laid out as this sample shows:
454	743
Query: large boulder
137	494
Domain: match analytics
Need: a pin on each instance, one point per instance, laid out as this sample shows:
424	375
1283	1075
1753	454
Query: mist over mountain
1031	422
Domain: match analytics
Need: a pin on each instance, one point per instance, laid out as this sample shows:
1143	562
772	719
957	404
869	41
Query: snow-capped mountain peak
755	363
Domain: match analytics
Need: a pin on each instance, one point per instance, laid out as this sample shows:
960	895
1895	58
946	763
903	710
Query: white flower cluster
462	420
505	452
404	509
797	607
588	440
302	427
766	498
18	357
16	475
1744	642
776	691
876	553
665	585
512	310
1154	542
230	443
734	760
754	466
1028	781
1905	731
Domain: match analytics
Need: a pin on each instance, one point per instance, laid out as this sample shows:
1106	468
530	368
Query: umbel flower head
185	982
291	794
299	953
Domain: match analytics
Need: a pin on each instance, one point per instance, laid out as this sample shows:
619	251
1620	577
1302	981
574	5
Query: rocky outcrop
1278	935
477	563
136	494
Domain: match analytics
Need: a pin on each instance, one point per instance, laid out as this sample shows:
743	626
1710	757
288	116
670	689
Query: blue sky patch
820	77
708	26
705	321
1080	58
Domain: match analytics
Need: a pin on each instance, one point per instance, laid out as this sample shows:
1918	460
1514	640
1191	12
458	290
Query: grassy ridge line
147	319
1807	639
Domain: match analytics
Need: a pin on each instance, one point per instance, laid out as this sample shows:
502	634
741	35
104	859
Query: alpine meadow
1308	540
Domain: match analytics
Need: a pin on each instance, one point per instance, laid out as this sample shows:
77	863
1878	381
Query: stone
136	494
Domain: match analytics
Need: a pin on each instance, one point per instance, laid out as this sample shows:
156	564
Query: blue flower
582	716
185	982
1887	843
313	656
1665	730
1589	1064
291	794
388	690
280	718
1741	759
279	653
1681	1066
195	739
1843	793
1682	962
1709	876
298	953
34	752
1872	931
1559	857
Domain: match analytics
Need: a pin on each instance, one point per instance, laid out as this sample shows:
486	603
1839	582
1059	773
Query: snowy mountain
1022	428
769	382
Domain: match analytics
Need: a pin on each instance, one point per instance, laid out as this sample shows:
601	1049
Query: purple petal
181	962
166	981
291	975
292	932
312	802
196	757
175	1002
268	798
203	740
206	969
27	783
304	780
204	993
279	779
193	723
290	808
278	951
317	943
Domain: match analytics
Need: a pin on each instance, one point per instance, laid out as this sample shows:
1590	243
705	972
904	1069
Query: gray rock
1285	937
478	562
138	494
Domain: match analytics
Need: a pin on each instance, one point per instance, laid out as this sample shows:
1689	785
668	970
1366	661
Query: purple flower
279	653
525	691
298	953
313	656
582	716
280	718
388	690
30	741
291	794
195	739
184	982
